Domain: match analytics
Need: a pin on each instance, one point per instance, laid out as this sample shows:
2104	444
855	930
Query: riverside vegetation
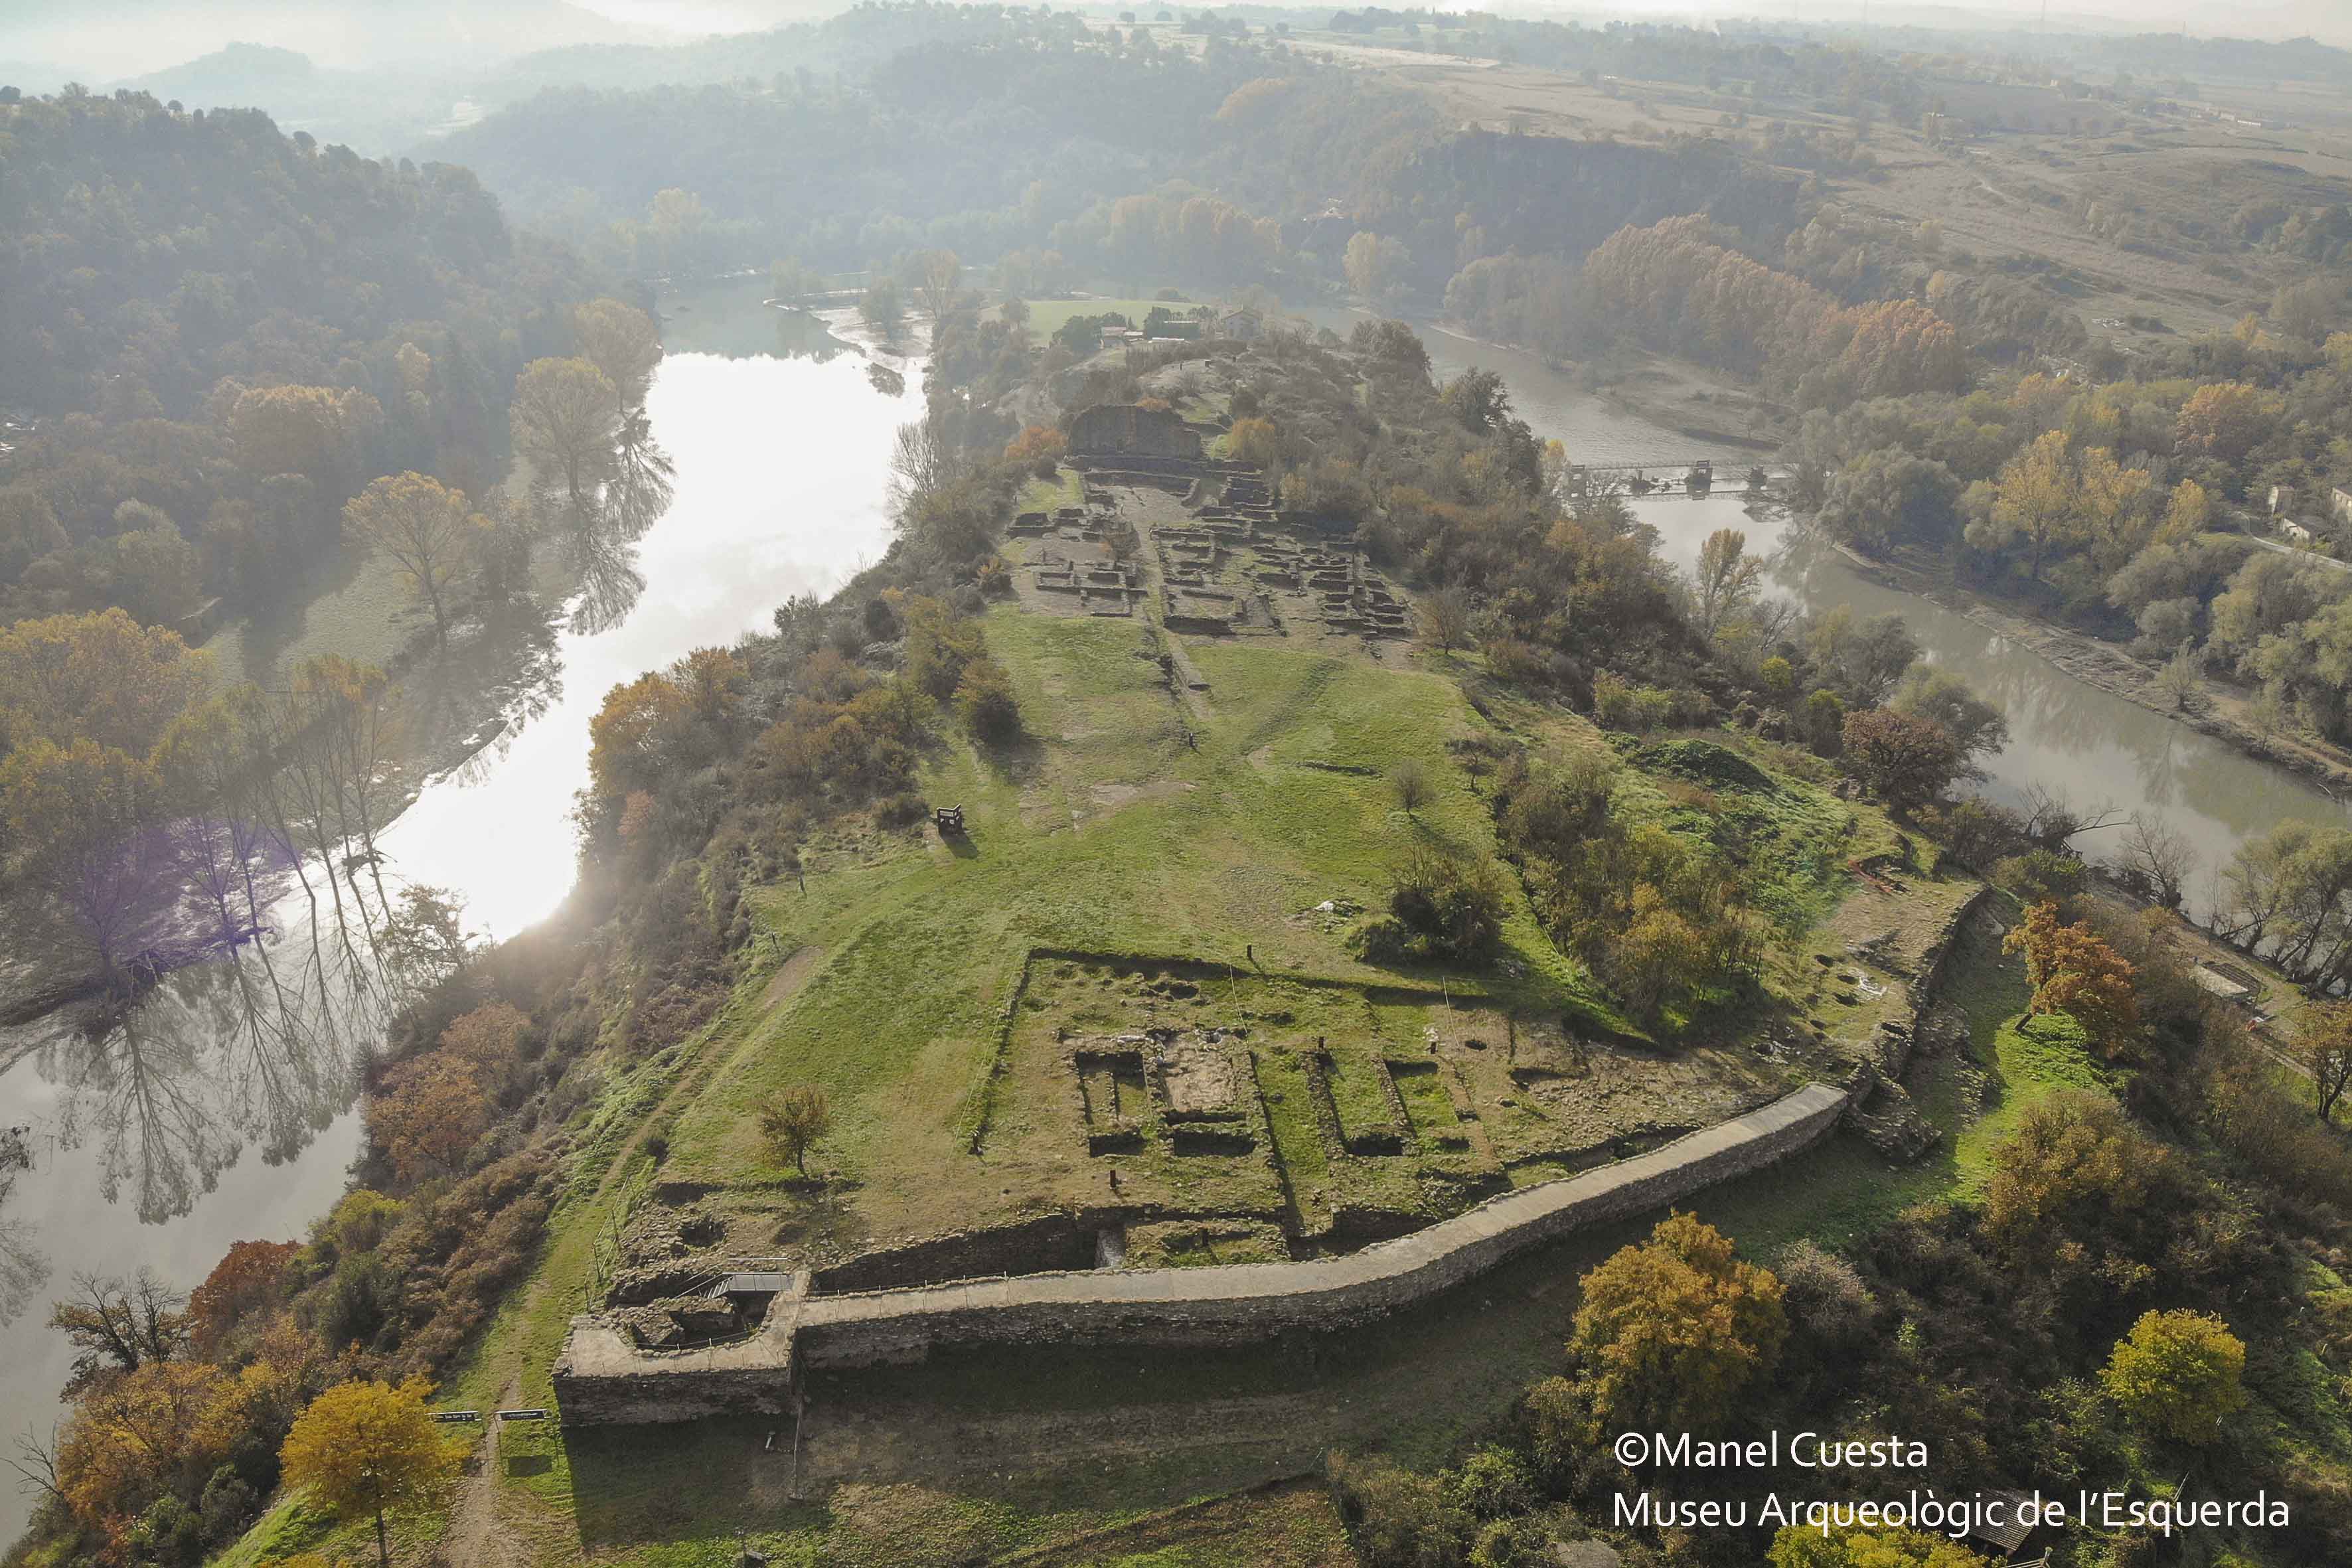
1659	813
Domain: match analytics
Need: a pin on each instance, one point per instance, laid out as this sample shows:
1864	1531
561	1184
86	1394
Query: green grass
1066	488
1114	838
1842	1189
1047	316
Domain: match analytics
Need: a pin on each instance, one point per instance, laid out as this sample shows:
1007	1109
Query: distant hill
248	74
112	39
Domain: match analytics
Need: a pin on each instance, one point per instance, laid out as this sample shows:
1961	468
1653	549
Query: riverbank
2224	715
222	1108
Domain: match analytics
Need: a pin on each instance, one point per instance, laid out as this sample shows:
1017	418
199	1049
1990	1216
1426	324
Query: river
2065	735
222	1109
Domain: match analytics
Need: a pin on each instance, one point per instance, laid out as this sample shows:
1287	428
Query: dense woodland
218	334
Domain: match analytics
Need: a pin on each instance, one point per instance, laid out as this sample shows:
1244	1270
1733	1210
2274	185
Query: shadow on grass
704	1482
1016	759
1028	1428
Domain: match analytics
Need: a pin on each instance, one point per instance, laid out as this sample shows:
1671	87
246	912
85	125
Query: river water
2087	744
222	1111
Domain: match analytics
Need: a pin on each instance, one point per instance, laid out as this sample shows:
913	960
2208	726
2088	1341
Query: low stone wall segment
604	1377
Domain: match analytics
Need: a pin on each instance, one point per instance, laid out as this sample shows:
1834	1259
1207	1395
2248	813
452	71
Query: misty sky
107	40
2330	20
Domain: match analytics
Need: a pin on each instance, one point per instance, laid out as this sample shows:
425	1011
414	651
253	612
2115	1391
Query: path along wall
603	1378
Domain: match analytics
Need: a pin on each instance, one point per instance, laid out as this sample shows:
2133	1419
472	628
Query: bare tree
2159	855
1445	617
922	461
1411	781
2050	819
122	1323
36	1464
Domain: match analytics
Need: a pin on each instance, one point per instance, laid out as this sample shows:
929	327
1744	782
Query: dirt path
477	1536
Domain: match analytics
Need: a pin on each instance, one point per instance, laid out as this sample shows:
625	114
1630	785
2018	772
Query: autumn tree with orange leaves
2074	971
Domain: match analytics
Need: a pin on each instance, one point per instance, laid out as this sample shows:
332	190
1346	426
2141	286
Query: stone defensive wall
603	1376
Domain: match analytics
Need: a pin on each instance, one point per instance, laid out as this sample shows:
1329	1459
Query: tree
623	342
1442	908
156	575
795	1120
1037	445
1479	398
1907	761
2034	504
1411	781
1445	617
985	702
101	676
1943	697
2225	420
567	425
2074	971
132	1437
426	1113
935	274
85	814
314	431
1860	659
1256	442
1376	266
2188	514
365	1450
120	1325
1802	1546
245	1282
2182	677
2179	1374
1726	582
1671	1332
2323	1043
881	310
2160	855
424	528
634	734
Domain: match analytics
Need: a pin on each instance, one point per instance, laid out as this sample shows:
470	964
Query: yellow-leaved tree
367	1449
424	528
2179	1374
1799	1546
1673	1330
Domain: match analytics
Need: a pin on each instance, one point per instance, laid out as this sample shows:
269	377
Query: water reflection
600	548
800	335
2066	737
263	1048
24	1268
218	1109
